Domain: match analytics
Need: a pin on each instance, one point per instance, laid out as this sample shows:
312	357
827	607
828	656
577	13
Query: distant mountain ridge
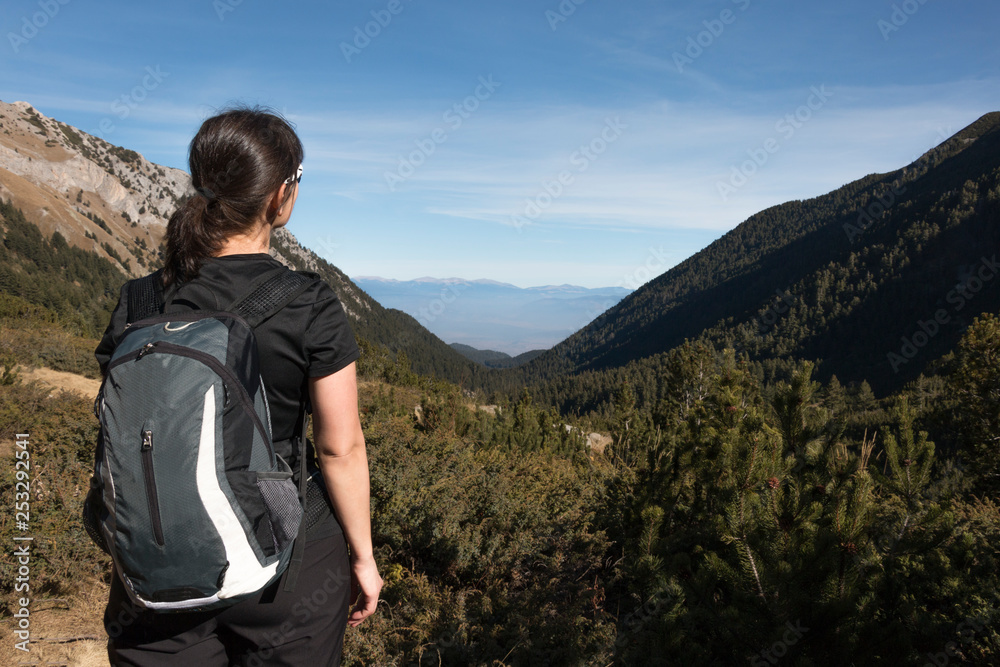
486	281
492	315
494	359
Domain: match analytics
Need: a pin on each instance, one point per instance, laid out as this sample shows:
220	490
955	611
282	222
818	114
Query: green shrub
62	432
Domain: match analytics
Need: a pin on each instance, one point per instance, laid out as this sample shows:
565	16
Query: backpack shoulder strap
272	292
145	297
299	547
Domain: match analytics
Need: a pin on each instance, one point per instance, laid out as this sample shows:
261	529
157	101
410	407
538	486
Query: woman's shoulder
319	288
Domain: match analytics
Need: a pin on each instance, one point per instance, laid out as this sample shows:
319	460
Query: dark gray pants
304	627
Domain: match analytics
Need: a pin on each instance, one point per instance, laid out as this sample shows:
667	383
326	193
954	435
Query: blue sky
533	143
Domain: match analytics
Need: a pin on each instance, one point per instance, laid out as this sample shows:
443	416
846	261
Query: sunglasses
297	177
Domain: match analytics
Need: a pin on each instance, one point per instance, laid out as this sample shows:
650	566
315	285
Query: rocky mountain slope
100	197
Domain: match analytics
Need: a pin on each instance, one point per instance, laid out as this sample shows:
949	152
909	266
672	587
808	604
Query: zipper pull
146	349
147	440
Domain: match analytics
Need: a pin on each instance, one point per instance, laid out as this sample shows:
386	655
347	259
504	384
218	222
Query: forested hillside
873	282
494	359
80	289
70	291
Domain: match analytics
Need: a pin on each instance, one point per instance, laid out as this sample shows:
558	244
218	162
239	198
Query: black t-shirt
309	337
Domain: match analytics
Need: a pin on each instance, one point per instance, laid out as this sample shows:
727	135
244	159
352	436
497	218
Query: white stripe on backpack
245	575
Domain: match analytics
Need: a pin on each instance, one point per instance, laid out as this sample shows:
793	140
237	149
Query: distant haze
490	315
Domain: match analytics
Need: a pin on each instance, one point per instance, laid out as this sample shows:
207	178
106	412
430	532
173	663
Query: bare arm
340	448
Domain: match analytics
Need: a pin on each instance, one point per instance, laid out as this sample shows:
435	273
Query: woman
246	167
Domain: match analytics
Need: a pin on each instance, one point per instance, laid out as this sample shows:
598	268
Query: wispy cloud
664	171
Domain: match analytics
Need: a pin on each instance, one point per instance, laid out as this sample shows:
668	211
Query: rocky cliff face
99	196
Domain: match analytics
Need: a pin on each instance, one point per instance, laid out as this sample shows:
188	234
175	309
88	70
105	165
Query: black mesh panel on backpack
265	298
318	506
282	506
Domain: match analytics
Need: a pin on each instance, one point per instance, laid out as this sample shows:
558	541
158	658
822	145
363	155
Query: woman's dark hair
238	160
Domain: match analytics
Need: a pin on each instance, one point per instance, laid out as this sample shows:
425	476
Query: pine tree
976	385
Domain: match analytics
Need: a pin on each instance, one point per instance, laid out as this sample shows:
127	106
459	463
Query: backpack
189	496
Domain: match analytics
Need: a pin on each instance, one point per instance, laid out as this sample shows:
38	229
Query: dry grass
63	632
84	386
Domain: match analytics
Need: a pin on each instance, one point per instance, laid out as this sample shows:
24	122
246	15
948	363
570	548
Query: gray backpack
189	497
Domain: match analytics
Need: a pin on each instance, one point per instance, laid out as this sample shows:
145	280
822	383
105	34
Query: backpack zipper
151	497
228	377
146	349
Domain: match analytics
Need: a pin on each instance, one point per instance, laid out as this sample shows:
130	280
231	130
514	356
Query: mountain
875	280
486	314
85	195
99	197
494	359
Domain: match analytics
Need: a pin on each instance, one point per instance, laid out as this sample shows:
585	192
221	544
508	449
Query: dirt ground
64	632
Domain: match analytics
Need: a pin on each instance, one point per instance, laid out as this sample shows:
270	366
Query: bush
62	432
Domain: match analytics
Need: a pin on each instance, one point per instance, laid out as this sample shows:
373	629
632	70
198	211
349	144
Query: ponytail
190	240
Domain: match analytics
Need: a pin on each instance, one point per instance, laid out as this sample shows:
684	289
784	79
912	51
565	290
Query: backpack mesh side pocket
281	499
